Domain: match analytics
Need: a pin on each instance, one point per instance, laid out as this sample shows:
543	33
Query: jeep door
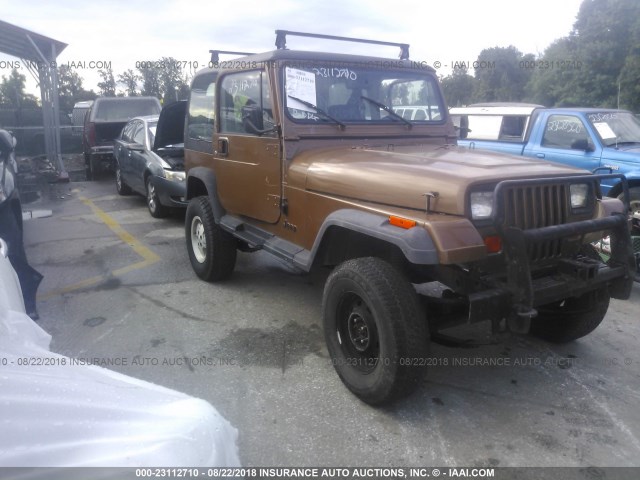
246	147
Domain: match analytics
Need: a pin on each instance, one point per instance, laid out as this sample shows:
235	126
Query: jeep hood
400	176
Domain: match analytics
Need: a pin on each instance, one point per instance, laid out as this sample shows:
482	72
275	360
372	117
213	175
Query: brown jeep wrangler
303	155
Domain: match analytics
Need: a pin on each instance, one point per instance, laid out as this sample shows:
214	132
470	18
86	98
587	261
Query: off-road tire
212	251
572	318
156	209
121	187
375	329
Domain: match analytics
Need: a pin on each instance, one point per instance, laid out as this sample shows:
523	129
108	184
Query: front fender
202	181
415	243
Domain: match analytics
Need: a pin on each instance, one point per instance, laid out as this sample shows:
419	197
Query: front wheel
212	251
572	318
375	330
156	209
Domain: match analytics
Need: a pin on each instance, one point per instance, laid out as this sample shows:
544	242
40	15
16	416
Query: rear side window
202	108
507	128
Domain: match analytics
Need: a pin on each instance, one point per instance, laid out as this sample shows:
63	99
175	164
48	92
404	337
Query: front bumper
529	286
171	193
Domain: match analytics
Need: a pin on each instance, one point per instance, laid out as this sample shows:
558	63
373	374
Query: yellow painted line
125	236
149	257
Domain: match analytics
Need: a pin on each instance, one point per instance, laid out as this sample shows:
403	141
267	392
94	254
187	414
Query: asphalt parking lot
119	291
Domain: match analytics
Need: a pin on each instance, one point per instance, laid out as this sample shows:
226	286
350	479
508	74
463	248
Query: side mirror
252	118
582	144
462	129
463	132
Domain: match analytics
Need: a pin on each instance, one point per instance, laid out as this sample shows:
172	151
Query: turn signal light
493	244
401	222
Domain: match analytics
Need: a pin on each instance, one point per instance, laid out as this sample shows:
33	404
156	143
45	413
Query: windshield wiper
388	110
319	110
617	144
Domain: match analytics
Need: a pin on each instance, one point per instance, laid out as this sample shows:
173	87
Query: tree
605	31
107	87
150	77
458	87
600	58
70	89
12	91
170	79
555	76
130	80
500	75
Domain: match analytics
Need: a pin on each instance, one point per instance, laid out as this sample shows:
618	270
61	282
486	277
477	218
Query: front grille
537	206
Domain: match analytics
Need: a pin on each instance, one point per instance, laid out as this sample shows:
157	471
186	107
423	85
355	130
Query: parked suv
302	155
104	122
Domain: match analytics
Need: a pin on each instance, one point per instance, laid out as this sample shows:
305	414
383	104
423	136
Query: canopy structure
39	55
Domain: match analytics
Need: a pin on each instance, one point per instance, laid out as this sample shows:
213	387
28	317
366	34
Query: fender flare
415	243
208	179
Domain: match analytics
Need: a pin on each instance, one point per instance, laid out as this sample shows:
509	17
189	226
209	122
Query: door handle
540	155
223	147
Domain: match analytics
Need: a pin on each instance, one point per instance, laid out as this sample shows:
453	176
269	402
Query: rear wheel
121	186
375	330
212	251
156	209
572	318
87	167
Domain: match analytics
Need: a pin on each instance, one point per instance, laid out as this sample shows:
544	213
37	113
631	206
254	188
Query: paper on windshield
302	85
604	130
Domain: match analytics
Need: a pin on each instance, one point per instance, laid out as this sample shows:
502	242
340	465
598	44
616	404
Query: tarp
56	413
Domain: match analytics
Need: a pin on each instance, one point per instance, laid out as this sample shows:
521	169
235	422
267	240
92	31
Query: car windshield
616	128
359	94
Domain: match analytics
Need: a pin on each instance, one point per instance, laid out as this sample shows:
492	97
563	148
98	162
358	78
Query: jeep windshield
361	94
616	128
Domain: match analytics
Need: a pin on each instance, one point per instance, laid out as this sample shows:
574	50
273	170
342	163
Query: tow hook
520	320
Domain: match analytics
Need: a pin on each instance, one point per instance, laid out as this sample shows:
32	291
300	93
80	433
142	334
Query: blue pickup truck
595	139
598	140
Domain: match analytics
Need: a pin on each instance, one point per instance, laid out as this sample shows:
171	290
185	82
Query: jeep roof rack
215	54
281	41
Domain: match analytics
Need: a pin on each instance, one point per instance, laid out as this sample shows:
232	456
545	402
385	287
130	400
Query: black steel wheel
375	329
212	251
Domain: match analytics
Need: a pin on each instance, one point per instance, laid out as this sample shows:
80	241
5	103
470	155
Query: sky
124	32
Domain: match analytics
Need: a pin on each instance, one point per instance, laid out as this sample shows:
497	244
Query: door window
565	131
245	104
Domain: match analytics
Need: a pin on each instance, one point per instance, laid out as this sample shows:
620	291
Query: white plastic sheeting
55	414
